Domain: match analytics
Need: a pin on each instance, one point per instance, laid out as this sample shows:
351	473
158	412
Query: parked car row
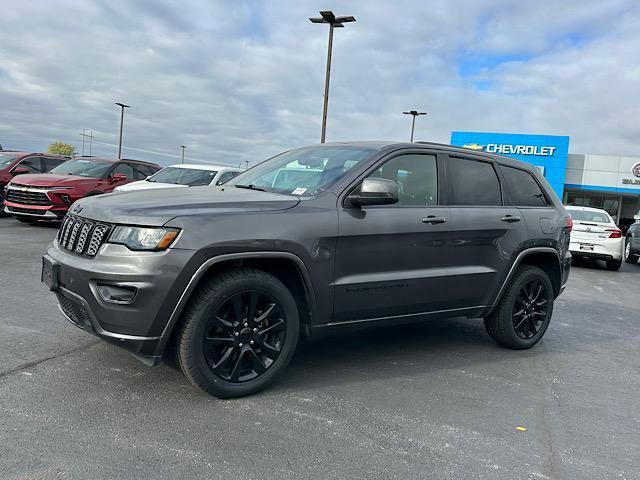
14	163
48	185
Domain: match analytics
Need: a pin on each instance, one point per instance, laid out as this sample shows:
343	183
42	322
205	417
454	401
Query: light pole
327	16
122	107
413	113
182	147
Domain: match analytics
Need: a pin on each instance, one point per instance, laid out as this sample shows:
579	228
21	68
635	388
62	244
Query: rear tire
614	265
523	314
629	256
238	333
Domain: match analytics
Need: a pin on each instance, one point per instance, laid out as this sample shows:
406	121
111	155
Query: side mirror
375	191
19	170
118	177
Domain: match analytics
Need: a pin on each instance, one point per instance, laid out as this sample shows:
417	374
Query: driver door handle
432	219
510	219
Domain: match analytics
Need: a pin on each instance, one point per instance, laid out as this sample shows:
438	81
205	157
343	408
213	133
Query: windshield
84	168
6	160
304	172
587	216
183	176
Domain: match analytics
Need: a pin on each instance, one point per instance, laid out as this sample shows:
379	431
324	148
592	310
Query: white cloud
239	81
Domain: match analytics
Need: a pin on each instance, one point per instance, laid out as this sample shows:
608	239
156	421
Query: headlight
143	238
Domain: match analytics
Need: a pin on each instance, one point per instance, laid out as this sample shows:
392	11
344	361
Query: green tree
60	148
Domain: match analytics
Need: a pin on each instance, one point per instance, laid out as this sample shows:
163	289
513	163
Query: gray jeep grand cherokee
310	241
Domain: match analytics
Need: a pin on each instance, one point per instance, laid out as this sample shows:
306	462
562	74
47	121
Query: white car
595	235
184	175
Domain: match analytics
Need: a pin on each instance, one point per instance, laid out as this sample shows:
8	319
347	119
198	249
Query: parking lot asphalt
435	400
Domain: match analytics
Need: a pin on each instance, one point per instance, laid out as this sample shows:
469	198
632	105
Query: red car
14	163
48	196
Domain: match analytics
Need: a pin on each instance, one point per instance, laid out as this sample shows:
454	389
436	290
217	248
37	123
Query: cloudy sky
242	80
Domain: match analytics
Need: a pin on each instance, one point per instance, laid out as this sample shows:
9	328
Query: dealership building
610	182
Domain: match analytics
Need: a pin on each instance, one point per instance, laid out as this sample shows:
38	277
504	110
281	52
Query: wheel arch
545	258
287	267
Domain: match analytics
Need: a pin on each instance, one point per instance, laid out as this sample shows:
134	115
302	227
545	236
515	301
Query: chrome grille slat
80	236
74	234
97	238
67	232
82	239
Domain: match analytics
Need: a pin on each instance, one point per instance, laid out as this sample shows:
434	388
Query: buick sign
636	169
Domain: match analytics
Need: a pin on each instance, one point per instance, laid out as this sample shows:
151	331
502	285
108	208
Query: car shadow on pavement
398	351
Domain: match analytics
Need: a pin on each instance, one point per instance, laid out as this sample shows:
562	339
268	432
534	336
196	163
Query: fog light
117	293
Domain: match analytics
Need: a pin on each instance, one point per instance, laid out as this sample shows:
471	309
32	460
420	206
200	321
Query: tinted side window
416	176
33	164
473	182
148	169
125	168
523	188
225	177
48	163
142	172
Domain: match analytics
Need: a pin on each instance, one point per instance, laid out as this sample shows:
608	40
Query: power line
83	135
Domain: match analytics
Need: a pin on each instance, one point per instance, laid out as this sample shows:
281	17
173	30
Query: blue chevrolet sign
548	152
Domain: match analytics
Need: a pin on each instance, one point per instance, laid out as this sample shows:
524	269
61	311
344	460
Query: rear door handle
510	219
432	219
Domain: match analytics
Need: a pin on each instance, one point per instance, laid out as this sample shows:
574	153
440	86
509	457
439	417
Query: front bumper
159	278
43	212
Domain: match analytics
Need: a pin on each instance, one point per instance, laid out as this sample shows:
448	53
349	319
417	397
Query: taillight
614	233
568	223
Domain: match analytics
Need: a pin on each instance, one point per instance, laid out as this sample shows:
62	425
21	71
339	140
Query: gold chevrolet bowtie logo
473	146
24	189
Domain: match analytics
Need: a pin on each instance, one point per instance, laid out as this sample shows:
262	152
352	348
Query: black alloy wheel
238	332
523	313
245	336
530	309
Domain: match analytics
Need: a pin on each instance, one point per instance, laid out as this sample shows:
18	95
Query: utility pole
90	137
327	16
122	107
414	114
182	147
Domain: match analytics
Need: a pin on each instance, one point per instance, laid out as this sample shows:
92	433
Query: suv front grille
82	236
27	198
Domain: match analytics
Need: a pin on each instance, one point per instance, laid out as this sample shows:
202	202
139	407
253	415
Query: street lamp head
327	16
414	113
122	105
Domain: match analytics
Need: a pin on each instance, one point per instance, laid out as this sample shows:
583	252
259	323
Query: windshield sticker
299	191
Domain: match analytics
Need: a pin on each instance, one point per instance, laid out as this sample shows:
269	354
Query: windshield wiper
250	187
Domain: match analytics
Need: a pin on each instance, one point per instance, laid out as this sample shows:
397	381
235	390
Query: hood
155	207
50	179
144	185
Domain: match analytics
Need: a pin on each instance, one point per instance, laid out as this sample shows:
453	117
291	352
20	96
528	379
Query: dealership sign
538	150
633	181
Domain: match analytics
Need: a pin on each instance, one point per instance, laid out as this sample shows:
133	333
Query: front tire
238	333
523	314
